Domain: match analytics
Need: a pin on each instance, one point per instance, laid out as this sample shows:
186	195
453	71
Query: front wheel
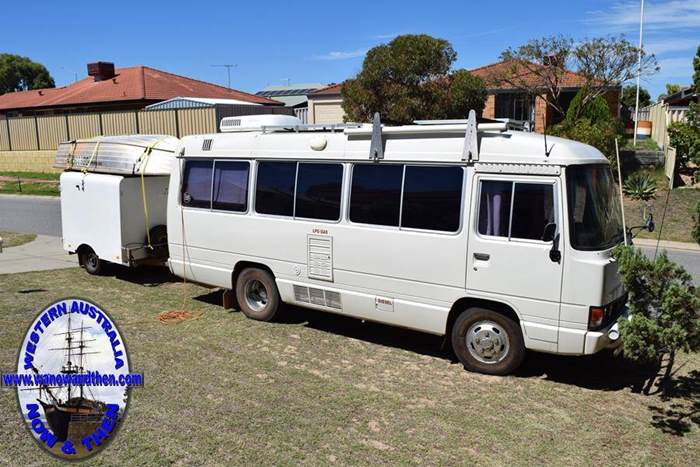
487	342
91	262
257	294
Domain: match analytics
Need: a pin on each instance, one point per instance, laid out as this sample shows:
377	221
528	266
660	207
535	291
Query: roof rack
469	127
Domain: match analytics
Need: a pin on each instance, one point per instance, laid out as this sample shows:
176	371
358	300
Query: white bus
498	240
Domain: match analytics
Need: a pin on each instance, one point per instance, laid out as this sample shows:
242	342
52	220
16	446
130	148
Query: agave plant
640	186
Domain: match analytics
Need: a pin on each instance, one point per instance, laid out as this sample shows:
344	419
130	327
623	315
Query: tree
670	89
629	96
410	78
685	136
540	66
19	73
664	309
591	124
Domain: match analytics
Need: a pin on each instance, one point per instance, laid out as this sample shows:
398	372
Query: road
42	215
30	214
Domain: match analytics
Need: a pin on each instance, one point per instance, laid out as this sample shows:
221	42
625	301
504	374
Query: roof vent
206	144
257	122
101	70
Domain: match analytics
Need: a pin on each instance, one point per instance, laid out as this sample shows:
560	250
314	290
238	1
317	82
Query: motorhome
498	240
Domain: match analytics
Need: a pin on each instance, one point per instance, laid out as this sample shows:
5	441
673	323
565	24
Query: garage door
328	113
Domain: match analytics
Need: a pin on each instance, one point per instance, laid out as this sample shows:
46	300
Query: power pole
639	74
228	71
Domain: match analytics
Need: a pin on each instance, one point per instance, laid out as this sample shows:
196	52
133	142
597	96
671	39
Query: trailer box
105	213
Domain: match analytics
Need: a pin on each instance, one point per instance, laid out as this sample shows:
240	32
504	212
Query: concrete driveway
43	253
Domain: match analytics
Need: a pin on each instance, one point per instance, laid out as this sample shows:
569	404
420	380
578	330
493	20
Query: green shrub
600	136
597	110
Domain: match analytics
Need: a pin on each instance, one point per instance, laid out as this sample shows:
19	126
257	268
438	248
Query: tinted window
533	209
494	208
196	185
376	194
318	191
230	185
432	198
275	188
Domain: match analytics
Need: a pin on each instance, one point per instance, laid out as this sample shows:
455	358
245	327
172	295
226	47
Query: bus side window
230	191
274	193
196	184
432	198
318	192
533	209
375	196
494	208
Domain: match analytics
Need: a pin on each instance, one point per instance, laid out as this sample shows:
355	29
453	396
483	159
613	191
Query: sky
276	42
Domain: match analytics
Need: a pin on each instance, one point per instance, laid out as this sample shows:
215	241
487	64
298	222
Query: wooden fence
45	132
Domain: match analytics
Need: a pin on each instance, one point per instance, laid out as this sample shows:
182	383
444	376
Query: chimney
550	60
101	70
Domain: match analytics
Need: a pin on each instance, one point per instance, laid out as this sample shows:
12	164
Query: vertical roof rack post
470	150
376	150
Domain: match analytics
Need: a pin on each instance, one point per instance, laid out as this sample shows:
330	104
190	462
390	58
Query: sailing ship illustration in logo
77	413
77	362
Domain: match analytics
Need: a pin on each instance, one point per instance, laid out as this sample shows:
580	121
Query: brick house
107	88
506	101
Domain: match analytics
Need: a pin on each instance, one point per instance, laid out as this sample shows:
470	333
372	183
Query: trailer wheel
90	261
257	294
487	342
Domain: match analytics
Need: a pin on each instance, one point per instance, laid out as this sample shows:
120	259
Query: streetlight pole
639	74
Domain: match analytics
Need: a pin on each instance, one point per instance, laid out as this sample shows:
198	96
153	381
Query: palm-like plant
642	187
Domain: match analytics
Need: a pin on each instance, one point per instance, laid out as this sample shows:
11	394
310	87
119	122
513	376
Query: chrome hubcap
487	342
255	295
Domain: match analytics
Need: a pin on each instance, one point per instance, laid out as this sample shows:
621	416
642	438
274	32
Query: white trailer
498	240
119	214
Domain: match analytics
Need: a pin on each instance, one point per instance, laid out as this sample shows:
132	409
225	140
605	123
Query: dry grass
323	389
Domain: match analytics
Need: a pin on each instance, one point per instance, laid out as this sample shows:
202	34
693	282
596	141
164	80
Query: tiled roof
332	90
490	73
128	84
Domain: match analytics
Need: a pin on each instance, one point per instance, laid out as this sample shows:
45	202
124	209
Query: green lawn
323	389
646	144
680	209
10	239
34	175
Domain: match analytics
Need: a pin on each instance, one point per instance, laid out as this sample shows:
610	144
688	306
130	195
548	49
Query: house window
516	106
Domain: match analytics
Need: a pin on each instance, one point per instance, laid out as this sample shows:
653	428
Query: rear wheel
257	294
91	262
487	342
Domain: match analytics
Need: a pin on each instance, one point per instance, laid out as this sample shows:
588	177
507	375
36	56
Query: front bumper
606	338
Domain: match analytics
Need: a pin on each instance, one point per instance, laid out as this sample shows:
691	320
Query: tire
91	262
257	294
159	241
487	342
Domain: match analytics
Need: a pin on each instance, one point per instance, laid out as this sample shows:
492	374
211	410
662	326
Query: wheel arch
465	303
80	250
241	265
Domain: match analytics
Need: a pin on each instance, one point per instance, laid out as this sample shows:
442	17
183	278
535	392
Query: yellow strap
92	156
71	154
146	158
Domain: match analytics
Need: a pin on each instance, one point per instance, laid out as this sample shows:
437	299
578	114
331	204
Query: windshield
594	208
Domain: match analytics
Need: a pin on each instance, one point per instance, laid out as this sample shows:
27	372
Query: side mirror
649	224
549	231
554	253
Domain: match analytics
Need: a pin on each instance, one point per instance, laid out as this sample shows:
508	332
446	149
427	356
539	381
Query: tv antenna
228	67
